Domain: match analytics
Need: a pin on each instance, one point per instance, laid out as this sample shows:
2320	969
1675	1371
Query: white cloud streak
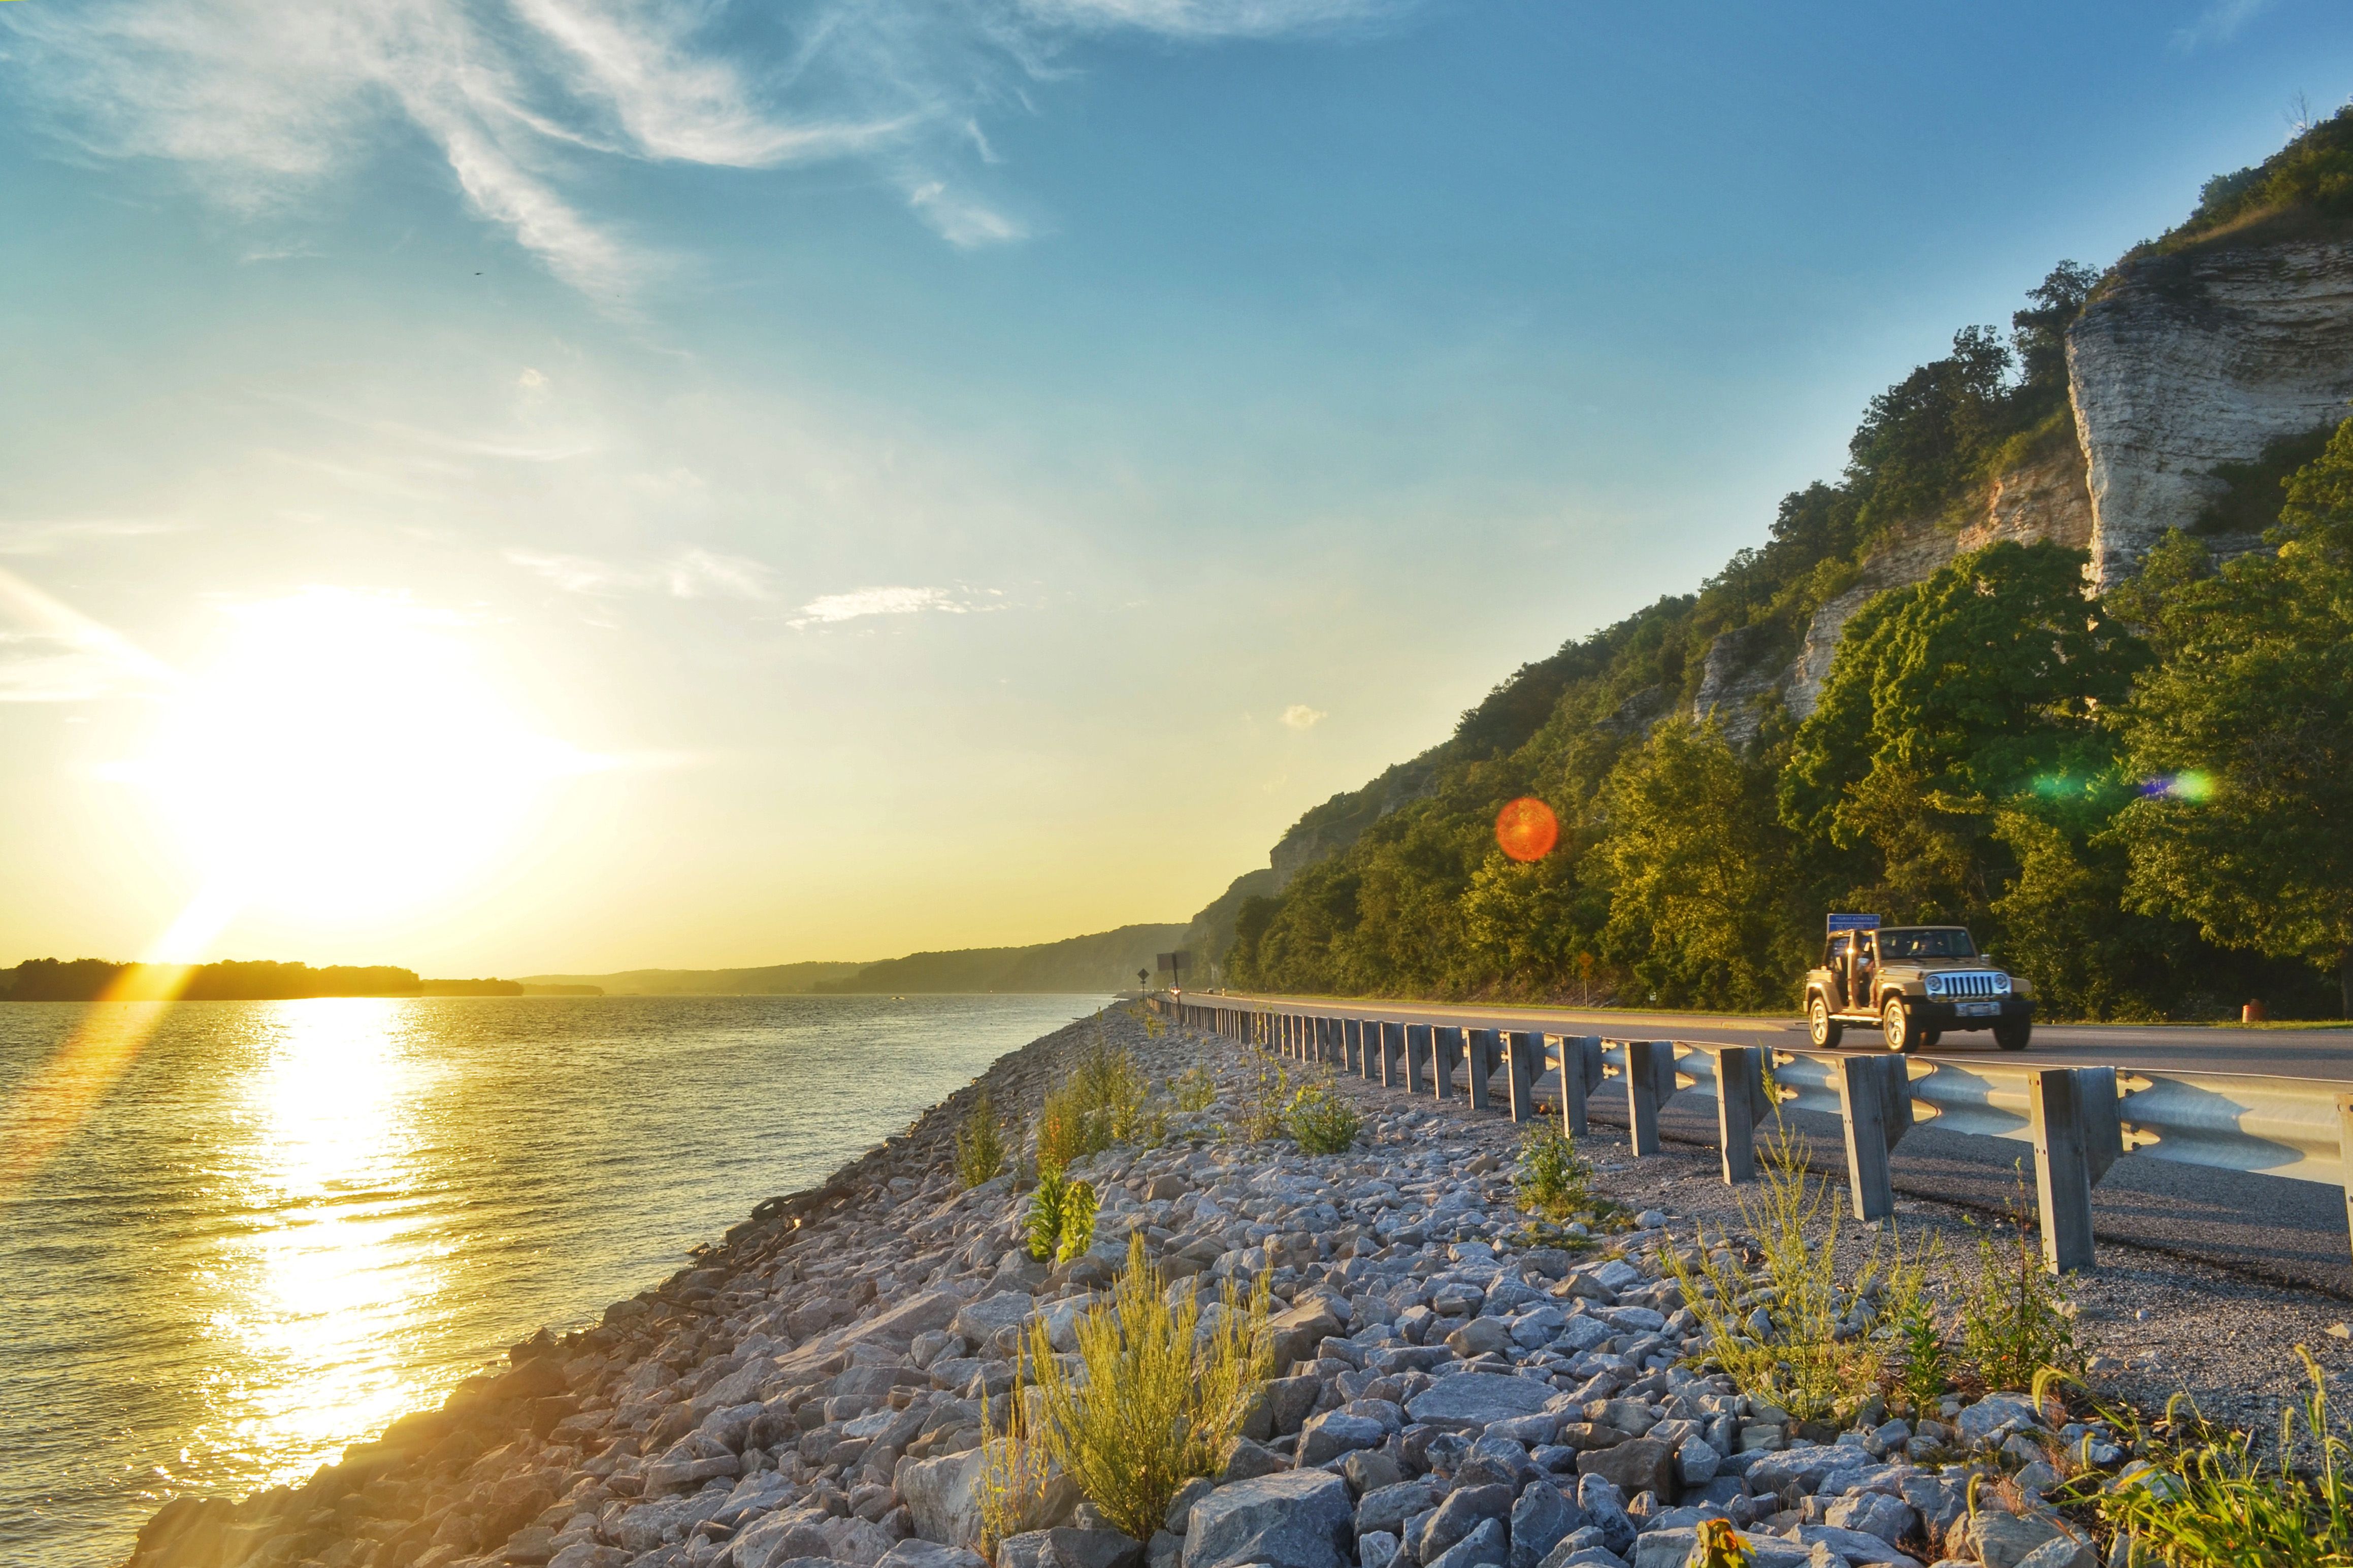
690	574
831	609
2218	24
261	100
1299	715
51	652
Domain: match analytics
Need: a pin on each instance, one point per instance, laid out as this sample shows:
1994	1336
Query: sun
346	754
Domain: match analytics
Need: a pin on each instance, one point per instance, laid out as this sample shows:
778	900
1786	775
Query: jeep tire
1896	1021
2012	1036
1824	1028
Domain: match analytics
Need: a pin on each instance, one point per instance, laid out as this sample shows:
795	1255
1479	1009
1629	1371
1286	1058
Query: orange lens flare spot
1526	828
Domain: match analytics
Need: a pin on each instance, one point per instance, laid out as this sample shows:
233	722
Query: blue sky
941	474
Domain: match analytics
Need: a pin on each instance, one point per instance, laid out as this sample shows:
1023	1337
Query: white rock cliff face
2046	498
2188	362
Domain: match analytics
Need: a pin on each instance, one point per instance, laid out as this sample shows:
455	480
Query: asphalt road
2287	1232
2284	1053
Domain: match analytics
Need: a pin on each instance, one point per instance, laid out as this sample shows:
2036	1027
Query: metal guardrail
2079	1121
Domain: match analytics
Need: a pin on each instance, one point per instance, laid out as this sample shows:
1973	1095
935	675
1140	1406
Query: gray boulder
1605	1508
1475	1398
1696	1463
1335	1433
1485	1547
1539	1521
1852	1544
1982	1421
1873	1513
1067	1548
1636	1466
915	1553
979	1321
941	1496
1388	1507
1296	1518
1458	1516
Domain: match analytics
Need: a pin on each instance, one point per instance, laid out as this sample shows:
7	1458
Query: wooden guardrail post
2071	1115
1875	1103
1446	1051
1580	1075
1650	1084
1527	1056
1416	1057
1740	1105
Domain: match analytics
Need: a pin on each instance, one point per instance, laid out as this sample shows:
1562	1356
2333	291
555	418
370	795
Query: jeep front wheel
2013	1036
1902	1035
1824	1028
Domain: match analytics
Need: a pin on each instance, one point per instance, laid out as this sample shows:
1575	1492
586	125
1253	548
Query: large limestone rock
2186	362
1475	1398
1298	1519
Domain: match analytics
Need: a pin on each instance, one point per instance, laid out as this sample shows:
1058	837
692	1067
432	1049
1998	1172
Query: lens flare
1526	828
2191	786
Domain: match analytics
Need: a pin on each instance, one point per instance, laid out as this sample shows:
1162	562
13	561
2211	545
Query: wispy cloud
48	538
1299	715
51	652
833	608
690	574
266	99
2218	24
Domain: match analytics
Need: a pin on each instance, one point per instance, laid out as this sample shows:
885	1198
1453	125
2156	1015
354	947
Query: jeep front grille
1969	983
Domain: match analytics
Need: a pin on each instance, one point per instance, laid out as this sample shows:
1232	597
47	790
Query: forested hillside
2141	799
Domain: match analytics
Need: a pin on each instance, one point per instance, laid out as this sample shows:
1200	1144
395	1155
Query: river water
267	1228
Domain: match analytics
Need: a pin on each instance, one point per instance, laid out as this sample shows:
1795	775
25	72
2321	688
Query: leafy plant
1924	1366
1068	1129
1043	1224
1721	1546
1265	1093
1156	1403
1551	1179
1319	1121
1080	1206
1805	1343
1194	1090
980	1149
2011	1324
2202	1502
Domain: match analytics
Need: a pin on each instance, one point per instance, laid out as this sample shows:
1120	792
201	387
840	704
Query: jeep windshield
1929	941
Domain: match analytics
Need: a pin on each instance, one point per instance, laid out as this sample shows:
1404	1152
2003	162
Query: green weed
980	1148
1158	1403
1194	1089
1265	1094
2011	1325
1551	1180
1319	1121
2205	1502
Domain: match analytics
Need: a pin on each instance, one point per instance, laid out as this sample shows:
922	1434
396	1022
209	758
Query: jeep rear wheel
1896	1020
1824	1028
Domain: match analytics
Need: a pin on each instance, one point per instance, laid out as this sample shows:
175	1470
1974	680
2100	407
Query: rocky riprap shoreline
810	1391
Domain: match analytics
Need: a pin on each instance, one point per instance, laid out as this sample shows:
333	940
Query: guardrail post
1480	1050
2345	1151
1580	1075
1740	1105
1446	1050
1416	1057
1526	1050
1392	1054
1875	1103
1650	1084
2071	1113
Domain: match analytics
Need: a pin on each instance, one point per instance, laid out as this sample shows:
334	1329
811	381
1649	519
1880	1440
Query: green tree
1944	701
1698	867
2244	734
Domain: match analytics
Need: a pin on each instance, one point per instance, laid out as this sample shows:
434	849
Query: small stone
1650	1219
2340	1330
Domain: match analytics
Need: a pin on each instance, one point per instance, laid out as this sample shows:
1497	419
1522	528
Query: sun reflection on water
321	1295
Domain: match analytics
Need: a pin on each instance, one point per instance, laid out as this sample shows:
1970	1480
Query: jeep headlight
2001	984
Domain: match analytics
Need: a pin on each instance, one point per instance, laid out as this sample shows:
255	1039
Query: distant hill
1105	960
769	980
